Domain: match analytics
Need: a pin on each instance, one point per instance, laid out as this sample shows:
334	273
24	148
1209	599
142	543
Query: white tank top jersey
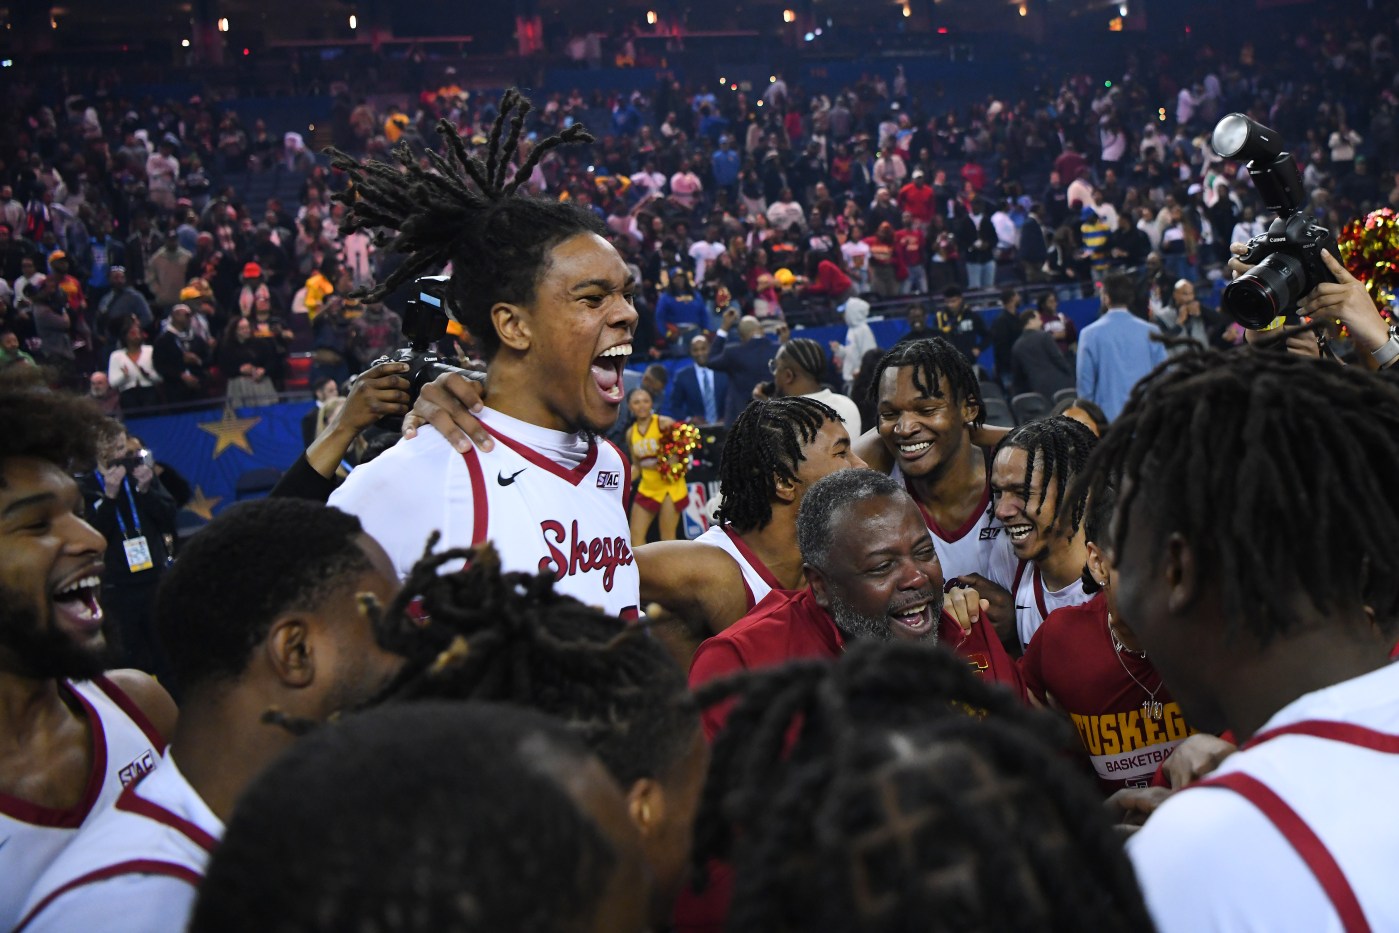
546	500
758	580
973	548
1033	600
125	746
136	867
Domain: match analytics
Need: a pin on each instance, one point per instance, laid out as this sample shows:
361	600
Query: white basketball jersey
1034	603
125	746
571	522
973	547
157	830
757	578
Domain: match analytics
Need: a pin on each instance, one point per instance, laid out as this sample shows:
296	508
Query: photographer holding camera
1294	267
126	502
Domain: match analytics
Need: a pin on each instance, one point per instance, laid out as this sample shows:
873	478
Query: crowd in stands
923	671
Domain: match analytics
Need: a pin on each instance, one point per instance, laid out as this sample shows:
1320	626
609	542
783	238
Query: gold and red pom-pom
676	453
1370	250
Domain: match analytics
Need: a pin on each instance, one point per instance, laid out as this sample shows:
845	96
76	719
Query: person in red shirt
886	271
1085	663
911	250
917	197
872	572
826	279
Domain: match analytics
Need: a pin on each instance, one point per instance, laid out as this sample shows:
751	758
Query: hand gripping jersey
539	514
136	867
125	745
974	547
758	580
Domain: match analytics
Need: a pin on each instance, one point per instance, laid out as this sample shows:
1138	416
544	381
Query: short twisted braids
764	444
510	638
1250	455
862	795
934	359
1060	447
463	210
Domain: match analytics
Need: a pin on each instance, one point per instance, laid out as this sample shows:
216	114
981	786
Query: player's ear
820	590
288	650
785	488
511	322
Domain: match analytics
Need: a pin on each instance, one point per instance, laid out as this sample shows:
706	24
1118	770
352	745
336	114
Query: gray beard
853	625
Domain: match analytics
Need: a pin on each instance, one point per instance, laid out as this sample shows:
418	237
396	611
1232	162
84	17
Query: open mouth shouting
607	372
915	618
75	602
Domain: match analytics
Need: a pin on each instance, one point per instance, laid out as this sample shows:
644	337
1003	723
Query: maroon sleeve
715	658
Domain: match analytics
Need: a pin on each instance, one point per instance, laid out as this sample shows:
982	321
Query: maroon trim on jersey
1306	843
753	559
1346	732
626	489
480	505
1038	582
129	706
574	476
71	818
132	802
133	867
967	526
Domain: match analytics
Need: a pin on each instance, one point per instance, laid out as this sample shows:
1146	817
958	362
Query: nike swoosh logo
507	480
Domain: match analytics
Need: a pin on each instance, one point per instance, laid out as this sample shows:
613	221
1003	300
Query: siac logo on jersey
990	532
609	479
136	769
570	554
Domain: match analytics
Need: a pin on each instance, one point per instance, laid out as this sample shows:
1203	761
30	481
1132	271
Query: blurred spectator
245	365
131	368
182	357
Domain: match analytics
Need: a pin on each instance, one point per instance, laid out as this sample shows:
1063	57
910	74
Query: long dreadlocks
511	638
1278	472
862	795
765	444
467	211
1060	446
934	359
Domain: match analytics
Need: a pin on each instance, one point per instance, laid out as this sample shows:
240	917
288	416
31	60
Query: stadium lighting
223	24
789	16
908	11
354	21
651	17
1024	11
184	43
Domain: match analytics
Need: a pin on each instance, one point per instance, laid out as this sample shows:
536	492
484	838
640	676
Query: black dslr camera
424	324
1286	259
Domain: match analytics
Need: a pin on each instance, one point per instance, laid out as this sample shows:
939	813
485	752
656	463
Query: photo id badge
138	554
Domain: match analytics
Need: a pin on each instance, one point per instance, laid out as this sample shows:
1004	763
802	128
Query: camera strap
137	548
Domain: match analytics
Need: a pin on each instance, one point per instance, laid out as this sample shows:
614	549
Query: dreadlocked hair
894	789
468	211
808	355
511	638
934	359
764	444
1247	453
1061	447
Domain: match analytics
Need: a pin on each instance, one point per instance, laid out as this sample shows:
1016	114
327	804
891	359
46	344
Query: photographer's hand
380	390
1301	340
1347	301
449	404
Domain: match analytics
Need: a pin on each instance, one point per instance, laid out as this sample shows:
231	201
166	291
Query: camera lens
1269	289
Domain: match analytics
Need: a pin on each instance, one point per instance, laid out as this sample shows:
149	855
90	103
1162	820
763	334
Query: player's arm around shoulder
152	699
699	583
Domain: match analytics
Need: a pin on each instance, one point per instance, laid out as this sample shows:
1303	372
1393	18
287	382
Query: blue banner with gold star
213	449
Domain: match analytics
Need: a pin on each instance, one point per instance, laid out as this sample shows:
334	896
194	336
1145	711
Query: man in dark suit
746	364
699	393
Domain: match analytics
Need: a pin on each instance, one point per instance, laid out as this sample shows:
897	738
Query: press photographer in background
128	504
1294	267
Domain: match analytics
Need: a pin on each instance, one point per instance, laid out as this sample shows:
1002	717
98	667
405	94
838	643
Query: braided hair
934	359
468	211
862	795
764	444
1247	453
1061	446
806	354
511	638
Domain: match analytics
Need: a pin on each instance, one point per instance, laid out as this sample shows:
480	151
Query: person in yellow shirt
655	493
